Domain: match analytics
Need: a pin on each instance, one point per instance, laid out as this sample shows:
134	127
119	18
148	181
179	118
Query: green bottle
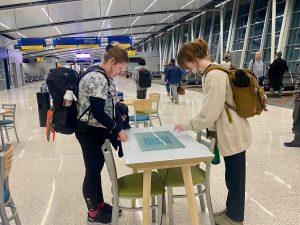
216	160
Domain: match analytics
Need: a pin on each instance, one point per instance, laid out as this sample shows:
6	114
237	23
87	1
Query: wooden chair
9	120
6	200
144	106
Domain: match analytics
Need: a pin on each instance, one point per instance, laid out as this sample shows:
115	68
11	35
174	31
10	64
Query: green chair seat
153	111
131	186
175	178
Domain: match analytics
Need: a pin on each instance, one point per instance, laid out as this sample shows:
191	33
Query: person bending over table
233	137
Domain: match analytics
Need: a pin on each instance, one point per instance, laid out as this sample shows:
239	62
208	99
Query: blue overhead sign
123	41
31	43
76	42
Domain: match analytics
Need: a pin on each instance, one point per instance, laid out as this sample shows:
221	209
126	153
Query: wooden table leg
188	182
133	201
146	196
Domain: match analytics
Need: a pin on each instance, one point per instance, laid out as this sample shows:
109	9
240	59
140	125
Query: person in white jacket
233	137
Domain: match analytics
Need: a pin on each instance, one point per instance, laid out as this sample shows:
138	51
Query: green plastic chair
131	187
173	178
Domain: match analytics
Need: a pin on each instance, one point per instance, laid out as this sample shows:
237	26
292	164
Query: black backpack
144	80
60	80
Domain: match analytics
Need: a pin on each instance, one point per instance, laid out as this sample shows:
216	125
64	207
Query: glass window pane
236	58
296	20
260	4
259	16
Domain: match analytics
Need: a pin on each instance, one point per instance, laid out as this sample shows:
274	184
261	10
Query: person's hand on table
179	128
122	136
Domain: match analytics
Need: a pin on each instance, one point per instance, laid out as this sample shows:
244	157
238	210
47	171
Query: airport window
227	22
256	30
279	17
207	27
293	46
215	37
241	25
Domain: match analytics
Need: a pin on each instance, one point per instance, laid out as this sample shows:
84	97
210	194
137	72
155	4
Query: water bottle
216	160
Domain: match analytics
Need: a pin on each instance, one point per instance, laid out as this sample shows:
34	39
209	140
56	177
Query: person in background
97	91
227	61
275	73
174	78
166	81
296	113
233	137
141	92
258	66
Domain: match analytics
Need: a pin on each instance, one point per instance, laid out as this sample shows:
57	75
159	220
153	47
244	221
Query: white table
193	153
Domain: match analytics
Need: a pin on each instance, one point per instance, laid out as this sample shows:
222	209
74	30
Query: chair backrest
155	97
6	161
111	166
142	105
11	115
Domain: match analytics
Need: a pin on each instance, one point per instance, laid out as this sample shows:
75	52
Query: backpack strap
227	105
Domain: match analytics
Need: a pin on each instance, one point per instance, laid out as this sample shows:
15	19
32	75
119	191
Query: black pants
235	176
141	94
91	142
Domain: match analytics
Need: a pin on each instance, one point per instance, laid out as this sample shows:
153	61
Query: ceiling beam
114	28
101	18
36	3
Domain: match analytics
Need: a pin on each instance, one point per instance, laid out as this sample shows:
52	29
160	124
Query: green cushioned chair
173	178
131	187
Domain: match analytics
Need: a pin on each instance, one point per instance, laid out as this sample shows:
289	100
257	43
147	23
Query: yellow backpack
249	97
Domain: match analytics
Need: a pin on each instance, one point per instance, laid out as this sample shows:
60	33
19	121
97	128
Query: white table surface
134	155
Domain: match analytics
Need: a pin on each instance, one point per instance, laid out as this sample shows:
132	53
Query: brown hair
116	53
189	52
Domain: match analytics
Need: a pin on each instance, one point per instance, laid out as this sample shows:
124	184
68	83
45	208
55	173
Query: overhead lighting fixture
222	3
150	28
135	20
57	29
173	27
21	35
187	4
109	7
194	17
103	23
158	35
125	31
166	18
150	5
138	36
3	25
47	15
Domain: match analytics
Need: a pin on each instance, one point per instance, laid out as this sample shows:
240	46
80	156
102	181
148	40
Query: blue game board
161	140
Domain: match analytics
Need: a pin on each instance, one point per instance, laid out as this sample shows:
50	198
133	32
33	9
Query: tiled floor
47	177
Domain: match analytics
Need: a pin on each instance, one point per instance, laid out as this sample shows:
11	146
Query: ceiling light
222	3
57	29
109	7
150	5
138	36
103	23
135	20
158	35
187	4
3	25
173	27
21	35
166	18
47	15
125	31
150	28
195	17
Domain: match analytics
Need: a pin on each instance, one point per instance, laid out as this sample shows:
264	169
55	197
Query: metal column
246	39
265	30
192	30
284	33
211	30
273	30
232	28
160	54
221	38
173	45
202	25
